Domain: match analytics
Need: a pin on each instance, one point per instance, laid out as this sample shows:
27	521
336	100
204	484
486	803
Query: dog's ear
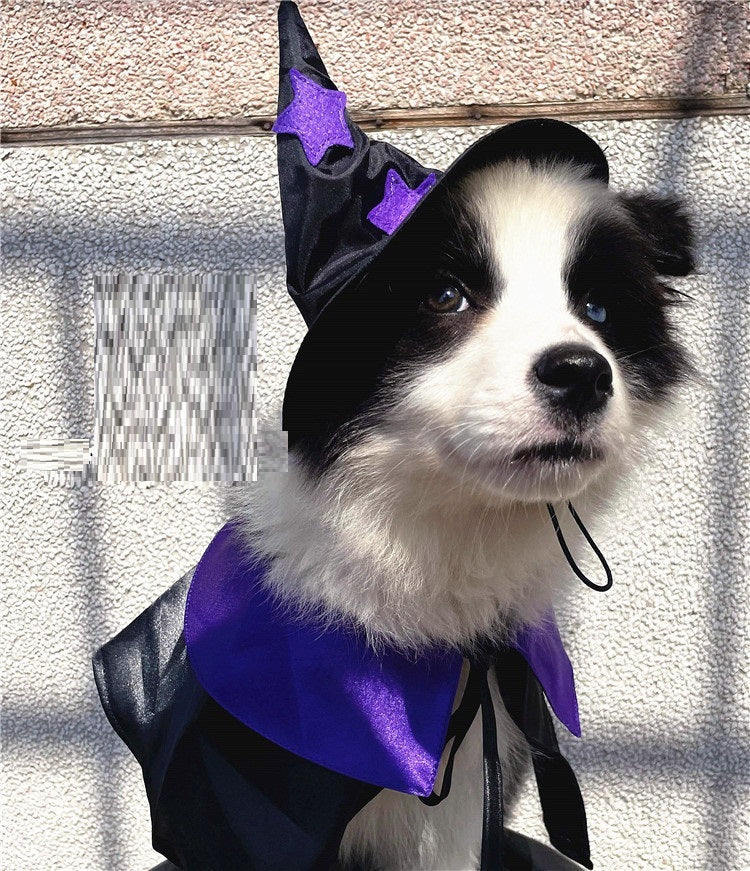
667	229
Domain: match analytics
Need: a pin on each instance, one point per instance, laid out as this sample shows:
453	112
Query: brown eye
446	300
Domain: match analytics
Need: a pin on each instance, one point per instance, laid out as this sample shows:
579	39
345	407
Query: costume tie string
492	817
559	794
476	695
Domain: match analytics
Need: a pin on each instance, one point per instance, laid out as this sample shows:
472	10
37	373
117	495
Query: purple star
398	200
316	115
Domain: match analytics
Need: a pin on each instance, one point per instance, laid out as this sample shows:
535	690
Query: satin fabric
542	647
222	796
329	241
323	693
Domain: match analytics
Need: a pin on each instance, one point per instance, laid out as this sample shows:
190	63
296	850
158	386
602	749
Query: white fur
425	530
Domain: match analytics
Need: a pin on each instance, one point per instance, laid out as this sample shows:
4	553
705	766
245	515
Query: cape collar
324	694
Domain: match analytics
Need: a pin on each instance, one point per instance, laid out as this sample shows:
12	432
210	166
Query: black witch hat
345	196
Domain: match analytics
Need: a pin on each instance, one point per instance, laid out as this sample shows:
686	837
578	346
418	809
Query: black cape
223	797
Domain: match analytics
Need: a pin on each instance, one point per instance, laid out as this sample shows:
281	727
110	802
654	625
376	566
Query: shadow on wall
721	678
45	250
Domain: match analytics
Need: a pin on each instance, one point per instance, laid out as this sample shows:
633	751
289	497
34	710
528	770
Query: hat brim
536	140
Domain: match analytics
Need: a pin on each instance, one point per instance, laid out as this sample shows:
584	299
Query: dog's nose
574	378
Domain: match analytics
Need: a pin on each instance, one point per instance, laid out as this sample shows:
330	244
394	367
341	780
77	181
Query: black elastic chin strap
601	588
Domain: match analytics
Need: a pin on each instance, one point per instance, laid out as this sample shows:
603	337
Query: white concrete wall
661	660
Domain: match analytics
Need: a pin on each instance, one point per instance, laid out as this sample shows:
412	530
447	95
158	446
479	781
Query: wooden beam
388	119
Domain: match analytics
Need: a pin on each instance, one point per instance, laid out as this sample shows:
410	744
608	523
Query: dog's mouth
560	451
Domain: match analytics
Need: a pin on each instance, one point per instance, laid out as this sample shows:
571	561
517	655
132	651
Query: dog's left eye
446	299
596	312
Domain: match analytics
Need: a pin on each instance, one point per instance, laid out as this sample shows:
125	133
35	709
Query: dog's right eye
445	300
596	312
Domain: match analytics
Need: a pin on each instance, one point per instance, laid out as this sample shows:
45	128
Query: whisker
621	357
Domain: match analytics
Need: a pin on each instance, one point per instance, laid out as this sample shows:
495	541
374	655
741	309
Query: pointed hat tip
289	7
297	50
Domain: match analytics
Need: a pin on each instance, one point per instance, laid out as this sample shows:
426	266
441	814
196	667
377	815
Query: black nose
574	378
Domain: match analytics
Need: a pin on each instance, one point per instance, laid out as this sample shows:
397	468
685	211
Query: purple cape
324	694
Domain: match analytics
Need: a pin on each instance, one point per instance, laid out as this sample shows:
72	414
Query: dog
514	348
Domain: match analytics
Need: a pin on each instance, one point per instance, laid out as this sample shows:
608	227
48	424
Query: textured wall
661	660
86	61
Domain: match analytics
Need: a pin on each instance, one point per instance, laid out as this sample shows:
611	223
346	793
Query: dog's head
514	337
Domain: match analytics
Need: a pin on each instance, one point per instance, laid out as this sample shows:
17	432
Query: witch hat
345	197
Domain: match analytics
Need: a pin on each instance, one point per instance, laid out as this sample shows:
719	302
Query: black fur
617	264
666	230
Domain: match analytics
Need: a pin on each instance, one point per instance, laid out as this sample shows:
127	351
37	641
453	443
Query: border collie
512	349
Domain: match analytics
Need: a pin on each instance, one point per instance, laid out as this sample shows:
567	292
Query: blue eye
596	312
